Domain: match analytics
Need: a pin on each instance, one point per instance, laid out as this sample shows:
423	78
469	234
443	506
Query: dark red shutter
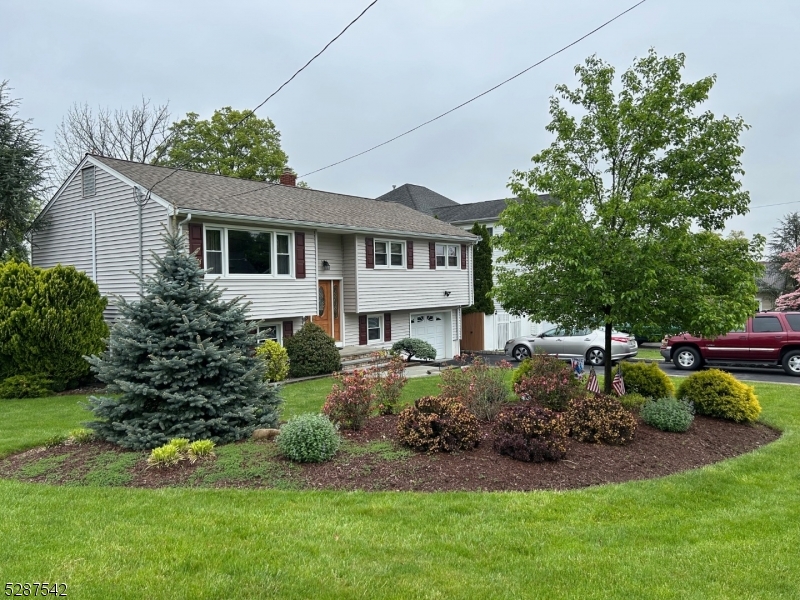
362	330
299	255
369	243
387	327
288	329
431	255
463	256
409	254
196	241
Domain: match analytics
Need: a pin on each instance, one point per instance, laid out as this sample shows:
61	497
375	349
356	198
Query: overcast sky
401	64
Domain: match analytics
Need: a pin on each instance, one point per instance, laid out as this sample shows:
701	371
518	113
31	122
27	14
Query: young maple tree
642	183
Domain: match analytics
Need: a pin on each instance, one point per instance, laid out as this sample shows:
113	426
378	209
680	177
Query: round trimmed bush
276	358
437	424
647	379
719	394
312	352
531	433
668	414
309	438
600	419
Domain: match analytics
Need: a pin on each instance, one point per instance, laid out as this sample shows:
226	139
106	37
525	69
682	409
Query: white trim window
374	329
267	331
447	256
88	187
390	254
246	253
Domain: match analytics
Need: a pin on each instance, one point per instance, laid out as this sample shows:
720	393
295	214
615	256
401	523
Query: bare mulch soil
371	460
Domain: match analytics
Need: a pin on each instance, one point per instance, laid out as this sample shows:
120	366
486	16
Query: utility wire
252	112
557	52
778	204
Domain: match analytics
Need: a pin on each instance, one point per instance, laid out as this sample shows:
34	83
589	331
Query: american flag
618	384
592	384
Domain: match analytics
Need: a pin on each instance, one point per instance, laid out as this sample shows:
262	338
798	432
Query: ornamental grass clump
719	394
438	424
668	414
600	419
200	449
647	379
164	456
547	381
531	433
179	449
482	388
351	400
309	438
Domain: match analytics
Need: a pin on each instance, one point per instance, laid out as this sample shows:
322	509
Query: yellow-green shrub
164	456
647	379
719	394
276	359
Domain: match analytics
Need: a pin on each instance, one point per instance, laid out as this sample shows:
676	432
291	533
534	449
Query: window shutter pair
362	328
196	241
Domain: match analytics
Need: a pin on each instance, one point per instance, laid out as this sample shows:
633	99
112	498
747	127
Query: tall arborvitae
482	272
181	361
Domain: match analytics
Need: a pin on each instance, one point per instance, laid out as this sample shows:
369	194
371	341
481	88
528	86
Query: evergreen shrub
309	438
276	359
312	352
180	363
719	394
438	424
600	419
531	433
546	381
647	379
482	388
49	320
668	414
25	386
414	347
632	401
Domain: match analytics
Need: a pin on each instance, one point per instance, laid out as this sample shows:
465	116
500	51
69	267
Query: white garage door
431	329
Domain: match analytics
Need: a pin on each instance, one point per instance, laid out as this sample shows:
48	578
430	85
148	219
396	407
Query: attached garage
434	329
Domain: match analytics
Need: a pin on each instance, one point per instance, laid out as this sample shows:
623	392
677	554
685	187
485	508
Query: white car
577	343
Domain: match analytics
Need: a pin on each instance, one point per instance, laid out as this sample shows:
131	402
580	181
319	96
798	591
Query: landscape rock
266	434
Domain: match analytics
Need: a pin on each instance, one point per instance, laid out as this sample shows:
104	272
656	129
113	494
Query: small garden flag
592	384
618	384
577	366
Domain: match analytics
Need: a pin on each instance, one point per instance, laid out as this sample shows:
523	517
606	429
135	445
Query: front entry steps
359	357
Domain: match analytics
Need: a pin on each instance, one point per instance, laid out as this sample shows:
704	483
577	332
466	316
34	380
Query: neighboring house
501	326
769	287
368	272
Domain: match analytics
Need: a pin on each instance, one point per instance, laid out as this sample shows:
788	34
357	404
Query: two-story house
368	272
500	326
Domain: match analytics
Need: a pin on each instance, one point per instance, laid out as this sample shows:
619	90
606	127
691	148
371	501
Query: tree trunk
607	360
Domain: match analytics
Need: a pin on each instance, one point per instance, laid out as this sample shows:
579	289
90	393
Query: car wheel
687	359
520	353
791	363
595	357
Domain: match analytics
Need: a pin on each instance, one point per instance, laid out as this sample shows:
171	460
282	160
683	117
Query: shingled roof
477	211
203	193
417	197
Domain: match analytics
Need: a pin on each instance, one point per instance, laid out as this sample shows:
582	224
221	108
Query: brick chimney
289	177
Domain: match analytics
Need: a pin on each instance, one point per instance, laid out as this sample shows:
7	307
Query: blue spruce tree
181	360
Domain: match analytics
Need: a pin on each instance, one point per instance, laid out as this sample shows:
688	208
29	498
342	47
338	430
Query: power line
252	112
557	52
778	204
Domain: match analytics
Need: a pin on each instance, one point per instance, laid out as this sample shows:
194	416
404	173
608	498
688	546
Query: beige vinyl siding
420	288
68	237
349	285
279	298
330	249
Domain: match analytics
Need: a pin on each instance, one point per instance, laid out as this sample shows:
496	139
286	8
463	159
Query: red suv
768	339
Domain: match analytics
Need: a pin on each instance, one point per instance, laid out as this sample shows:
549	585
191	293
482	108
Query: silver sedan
578	343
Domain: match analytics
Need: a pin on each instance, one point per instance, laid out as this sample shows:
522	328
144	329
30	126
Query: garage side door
431	329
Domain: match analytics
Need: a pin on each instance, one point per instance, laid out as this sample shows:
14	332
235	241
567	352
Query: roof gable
417	197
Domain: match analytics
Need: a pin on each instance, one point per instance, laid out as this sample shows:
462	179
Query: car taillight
617	338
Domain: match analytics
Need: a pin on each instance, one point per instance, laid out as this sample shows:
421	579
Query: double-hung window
266	331
374	328
447	256
389	254
240	252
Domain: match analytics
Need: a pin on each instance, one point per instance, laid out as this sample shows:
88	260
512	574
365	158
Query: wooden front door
329	315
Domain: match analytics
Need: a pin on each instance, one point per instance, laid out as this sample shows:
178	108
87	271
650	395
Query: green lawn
27	423
649	354
730	530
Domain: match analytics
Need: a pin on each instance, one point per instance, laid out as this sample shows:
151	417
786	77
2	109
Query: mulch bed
653	453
